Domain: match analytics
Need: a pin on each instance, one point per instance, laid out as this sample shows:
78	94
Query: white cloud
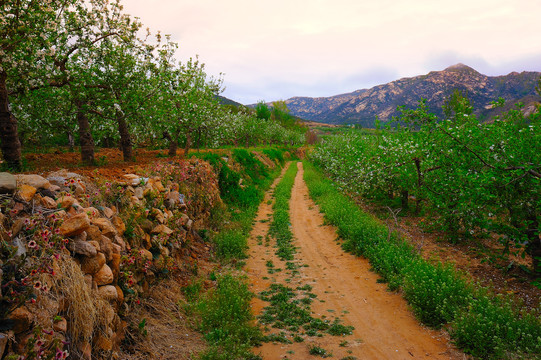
304	45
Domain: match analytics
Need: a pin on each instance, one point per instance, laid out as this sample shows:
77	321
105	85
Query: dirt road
345	289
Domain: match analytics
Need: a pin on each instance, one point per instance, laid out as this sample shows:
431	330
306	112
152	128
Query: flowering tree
472	177
28	30
189	102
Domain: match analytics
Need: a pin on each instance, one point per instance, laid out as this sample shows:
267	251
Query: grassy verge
224	310
480	323
280	226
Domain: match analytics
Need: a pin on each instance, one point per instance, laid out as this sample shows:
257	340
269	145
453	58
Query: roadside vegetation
481	323
223	311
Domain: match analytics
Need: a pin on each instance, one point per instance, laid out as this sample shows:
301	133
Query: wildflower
37	285
32	244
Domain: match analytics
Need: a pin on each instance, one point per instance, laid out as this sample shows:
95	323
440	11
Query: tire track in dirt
345	288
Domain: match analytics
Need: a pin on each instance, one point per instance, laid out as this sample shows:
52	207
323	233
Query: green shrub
275	154
254	168
230	244
391	259
491	327
436	292
226	319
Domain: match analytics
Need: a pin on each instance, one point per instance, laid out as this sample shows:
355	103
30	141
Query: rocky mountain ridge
362	106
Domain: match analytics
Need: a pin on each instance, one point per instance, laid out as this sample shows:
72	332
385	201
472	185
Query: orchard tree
84	28
63	54
191	105
262	111
28	31
126	72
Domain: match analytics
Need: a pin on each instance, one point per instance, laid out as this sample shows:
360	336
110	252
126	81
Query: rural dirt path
345	289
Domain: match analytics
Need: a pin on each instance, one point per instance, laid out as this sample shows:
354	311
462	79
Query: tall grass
480	323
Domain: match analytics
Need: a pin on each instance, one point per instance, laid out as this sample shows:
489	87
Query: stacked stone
95	237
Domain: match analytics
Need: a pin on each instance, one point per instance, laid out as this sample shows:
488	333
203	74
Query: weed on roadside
319	351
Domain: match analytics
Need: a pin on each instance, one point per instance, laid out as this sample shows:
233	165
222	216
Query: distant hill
225	101
362	106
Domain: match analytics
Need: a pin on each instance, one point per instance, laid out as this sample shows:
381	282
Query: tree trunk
419	186
404	199
9	137
172	144
125	139
71	141
188	143
534	243
85	136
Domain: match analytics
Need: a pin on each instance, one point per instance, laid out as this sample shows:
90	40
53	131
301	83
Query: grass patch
231	244
482	324
280	226
226	320
289	310
319	351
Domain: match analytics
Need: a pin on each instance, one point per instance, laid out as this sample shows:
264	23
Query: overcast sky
272	50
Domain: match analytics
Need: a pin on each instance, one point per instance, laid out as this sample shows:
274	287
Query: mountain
362	106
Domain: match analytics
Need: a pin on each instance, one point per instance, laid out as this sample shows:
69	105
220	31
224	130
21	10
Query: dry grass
169	333
87	313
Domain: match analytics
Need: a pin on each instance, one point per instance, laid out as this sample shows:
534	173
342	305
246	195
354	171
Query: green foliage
275	154
319	351
338	329
230	244
254	168
469	178
262	111
492	328
226	320
435	292
286	310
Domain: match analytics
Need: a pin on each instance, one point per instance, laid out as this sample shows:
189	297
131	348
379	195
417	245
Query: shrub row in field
482	324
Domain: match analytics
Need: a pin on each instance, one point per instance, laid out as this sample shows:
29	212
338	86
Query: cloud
275	50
